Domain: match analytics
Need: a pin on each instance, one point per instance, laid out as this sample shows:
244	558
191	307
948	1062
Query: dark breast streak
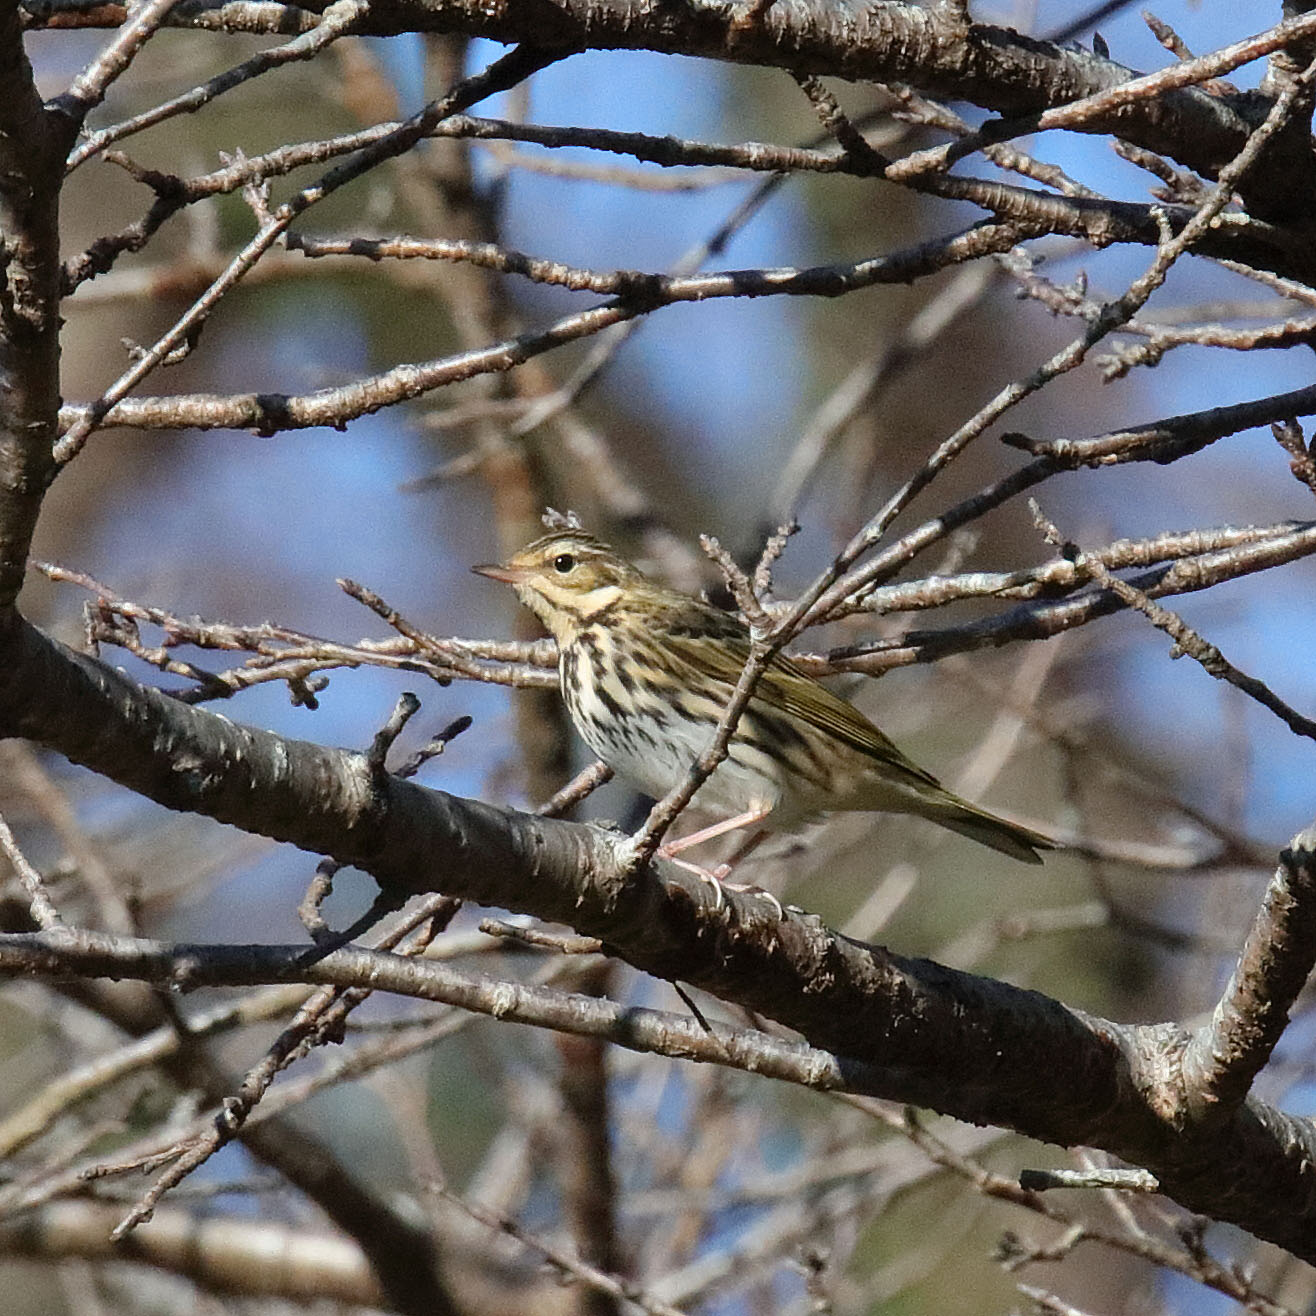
629	695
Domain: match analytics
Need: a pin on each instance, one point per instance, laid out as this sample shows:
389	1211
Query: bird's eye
563	563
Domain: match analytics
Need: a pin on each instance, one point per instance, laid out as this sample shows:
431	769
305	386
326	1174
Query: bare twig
1186	640
583	784
572	1267
318	1020
44	913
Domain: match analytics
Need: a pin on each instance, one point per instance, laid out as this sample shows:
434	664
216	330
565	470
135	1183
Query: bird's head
567	579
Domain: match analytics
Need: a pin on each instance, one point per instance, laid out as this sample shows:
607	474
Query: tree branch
909	1030
33	142
253	1258
1227	1055
995	68
270	413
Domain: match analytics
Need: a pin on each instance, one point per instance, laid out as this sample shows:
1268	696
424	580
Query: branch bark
995	68
33	143
256	1259
1275	963
909	1030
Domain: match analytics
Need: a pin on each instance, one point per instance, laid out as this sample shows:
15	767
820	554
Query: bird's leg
703	875
751	843
741	853
746	819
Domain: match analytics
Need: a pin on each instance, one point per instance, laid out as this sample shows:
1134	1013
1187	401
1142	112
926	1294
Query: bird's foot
716	878
749	889
708	878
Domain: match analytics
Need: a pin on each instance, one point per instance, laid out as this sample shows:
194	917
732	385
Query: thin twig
570	1266
44	913
1186	639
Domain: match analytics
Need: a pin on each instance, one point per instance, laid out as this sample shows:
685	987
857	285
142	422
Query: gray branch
1277	958
908	1030
996	68
33	143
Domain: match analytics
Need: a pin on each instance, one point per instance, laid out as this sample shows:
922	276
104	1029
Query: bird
647	671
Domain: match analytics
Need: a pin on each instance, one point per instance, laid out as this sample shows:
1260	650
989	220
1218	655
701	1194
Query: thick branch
32	147
253	1258
925	46
914	1031
993	67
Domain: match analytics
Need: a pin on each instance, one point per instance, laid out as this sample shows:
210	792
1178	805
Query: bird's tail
986	828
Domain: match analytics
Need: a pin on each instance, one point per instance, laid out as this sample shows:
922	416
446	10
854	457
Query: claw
749	889
710	879
716	878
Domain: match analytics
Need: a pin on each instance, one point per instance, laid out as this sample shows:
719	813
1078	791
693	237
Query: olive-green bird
647	672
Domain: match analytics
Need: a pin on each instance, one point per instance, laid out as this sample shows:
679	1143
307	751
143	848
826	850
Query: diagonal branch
88	89
1226	1056
1186	640
270	413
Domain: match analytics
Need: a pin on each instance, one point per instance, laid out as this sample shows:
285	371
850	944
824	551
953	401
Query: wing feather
720	656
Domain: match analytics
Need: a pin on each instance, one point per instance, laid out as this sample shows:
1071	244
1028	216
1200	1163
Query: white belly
652	747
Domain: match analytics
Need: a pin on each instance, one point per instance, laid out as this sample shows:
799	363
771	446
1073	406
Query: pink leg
714	878
743	851
703	875
746	819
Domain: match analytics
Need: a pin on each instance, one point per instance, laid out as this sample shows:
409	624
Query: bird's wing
783	687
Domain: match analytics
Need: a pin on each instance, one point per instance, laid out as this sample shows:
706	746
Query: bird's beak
508	575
